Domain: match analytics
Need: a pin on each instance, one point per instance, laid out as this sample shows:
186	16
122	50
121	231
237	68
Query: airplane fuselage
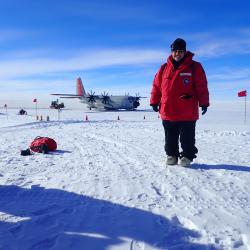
113	102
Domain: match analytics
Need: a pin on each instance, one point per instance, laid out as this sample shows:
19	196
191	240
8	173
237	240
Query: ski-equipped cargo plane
103	101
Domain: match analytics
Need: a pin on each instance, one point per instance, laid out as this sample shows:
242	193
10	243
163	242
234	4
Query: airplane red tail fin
79	87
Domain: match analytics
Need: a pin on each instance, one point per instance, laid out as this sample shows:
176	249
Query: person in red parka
179	89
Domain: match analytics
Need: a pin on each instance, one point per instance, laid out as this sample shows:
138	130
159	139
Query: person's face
178	54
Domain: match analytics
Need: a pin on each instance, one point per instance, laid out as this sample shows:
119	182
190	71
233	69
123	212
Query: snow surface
107	185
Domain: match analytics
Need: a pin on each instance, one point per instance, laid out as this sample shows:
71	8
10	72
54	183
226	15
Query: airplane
103	101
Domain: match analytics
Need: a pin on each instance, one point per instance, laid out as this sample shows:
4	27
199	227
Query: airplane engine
136	104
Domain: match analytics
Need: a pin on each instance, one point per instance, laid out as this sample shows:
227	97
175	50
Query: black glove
155	107
204	109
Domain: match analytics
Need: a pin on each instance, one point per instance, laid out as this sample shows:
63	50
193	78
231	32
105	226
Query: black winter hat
178	44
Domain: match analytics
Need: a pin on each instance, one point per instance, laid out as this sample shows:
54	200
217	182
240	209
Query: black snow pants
183	131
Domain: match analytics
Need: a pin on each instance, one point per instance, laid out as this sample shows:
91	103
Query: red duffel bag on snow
43	145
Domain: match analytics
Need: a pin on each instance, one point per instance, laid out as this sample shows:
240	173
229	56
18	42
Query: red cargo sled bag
43	145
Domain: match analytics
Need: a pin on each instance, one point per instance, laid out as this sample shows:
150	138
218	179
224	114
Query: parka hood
187	60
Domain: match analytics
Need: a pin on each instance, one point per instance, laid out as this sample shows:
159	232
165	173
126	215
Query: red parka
170	85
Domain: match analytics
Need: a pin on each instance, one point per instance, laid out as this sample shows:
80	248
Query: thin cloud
145	12
231	74
215	49
214	45
229	82
11	34
13	68
100	10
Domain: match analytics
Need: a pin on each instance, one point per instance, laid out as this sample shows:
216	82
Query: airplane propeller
105	97
137	97
91	96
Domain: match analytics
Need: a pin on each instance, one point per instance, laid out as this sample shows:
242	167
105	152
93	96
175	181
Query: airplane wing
68	95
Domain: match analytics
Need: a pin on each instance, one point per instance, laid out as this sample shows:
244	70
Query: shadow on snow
57	219
60	152
226	167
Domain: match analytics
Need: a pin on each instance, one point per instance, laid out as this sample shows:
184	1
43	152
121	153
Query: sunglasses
178	51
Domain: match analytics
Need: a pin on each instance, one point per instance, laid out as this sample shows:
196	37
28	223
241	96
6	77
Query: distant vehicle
22	112
57	105
103	101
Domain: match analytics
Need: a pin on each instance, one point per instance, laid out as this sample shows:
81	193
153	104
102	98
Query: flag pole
245	120
244	94
6	110
36	108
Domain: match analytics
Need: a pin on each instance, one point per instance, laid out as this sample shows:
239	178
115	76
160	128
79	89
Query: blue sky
117	46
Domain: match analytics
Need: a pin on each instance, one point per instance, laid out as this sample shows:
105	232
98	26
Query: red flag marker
242	93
